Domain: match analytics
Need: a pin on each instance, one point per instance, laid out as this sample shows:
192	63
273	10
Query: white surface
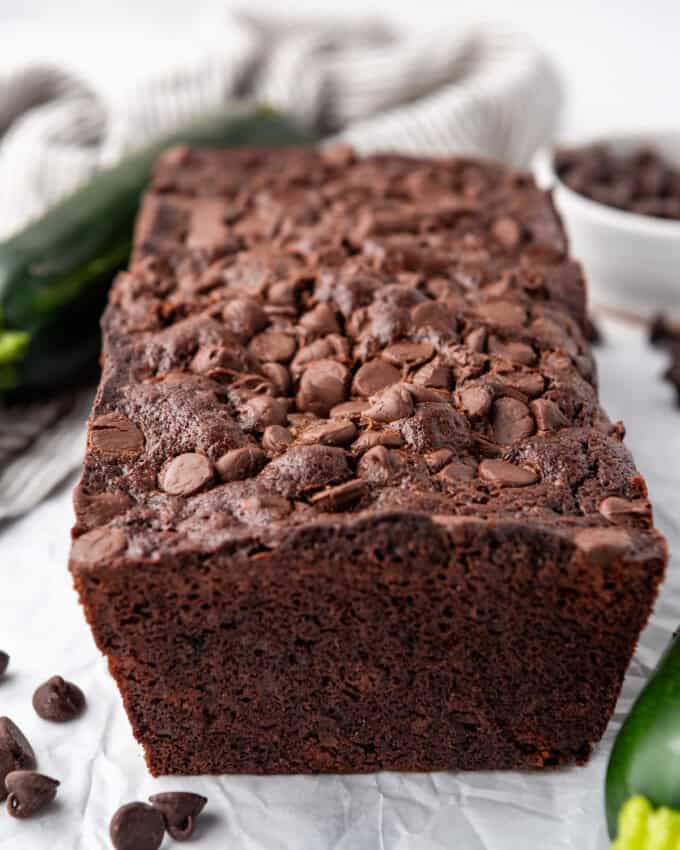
620	62
632	260
101	767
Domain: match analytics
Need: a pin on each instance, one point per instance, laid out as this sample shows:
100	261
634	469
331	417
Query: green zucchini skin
646	755
55	274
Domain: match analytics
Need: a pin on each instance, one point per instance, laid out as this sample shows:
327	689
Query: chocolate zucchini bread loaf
350	502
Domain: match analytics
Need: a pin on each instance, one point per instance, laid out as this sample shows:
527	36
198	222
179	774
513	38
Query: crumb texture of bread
350	502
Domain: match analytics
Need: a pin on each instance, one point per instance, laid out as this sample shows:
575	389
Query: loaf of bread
350	502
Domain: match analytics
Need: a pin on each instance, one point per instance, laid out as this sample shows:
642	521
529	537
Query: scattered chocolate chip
244	318
511	420
28	792
4	662
100	544
186	474
137	826
333	432
408	354
391	404
434	375
662	330
369	439
58	700
279	376
263	410
238	464
276	439
373	376
320	320
353	408
504	314
438	459
602	545
516	352
476	340
617	509
475	400
454	473
15	752
548	415
180	810
273	346
529	384
114	434
322	386
340	497
506	474
377	465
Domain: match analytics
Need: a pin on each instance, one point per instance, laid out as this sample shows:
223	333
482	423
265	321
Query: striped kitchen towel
475	91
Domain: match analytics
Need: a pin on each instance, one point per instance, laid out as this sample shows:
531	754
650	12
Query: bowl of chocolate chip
620	201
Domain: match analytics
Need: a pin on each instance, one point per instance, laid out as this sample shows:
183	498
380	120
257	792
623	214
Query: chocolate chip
334	432
434	314
244	318
137	826
186	474
97	509
408	354
353	408
529	384
273	346
15	752
505	474
276	439
373	376
4	662
602	545
391	404
340	497
619	510
438	459
320	321
210	358
259	412
507	232
279	376
548	415
511	420
434	375
476	340
180	810
100	544
454	473
322	386
369	439
238	464
504	314
377	465
516	352
114	434
29	792
475	400
58	700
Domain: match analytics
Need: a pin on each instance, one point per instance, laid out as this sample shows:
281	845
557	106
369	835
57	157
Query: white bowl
632	261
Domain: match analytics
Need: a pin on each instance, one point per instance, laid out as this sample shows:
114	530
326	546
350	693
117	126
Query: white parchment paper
101	767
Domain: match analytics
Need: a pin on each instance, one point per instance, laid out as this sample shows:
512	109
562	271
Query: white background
621	66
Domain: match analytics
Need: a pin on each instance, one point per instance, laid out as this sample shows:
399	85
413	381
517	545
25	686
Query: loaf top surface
309	337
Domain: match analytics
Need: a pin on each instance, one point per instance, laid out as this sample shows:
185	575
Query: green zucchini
645	759
55	274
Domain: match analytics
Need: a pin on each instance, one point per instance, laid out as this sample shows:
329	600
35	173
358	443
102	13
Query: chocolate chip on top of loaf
307	343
